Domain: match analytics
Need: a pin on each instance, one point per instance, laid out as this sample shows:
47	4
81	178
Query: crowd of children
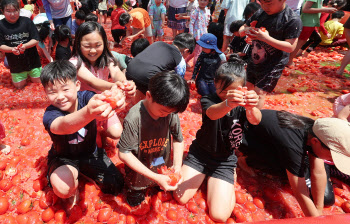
232	82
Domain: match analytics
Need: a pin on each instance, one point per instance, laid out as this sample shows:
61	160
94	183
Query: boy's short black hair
185	40
124	19
138	46
235	25
250	9
170	90
62	32
5	3
91	17
80	14
60	70
338	15
44	30
119	2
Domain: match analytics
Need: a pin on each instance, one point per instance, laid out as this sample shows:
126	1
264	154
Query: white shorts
148	31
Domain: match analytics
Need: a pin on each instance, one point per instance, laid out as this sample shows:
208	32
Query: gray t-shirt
149	140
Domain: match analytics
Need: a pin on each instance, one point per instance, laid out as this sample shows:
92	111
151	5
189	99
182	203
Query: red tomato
130	219
263	29
37	185
22	219
250	206
24	207
4	205
192	207
25	141
259	202
240	197
202	203
346	206
172	215
174	177
3	164
104	214
253	23
48	214
5	185
345	91
292	90
15	160
193	219
60	216
338	201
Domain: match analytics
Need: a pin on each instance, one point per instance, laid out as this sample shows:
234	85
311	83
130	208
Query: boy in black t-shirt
275	35
18	40
238	44
145	144
71	123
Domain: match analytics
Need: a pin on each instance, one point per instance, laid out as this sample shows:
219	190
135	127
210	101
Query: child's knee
115	131
64	181
180	197
219	215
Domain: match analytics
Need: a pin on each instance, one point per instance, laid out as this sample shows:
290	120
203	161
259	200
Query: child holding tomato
94	63
18	40
212	152
271	45
149	128
71	123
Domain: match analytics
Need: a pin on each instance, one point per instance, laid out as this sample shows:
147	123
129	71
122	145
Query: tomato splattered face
63	95
91	46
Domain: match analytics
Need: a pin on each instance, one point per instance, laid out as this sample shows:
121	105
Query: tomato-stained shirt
149	140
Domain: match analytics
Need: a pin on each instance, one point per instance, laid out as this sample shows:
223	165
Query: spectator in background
295	5
79	19
138	46
176	7
91	17
118	31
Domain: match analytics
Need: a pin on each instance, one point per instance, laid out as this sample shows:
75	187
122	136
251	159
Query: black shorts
222	168
266	81
97	167
103	12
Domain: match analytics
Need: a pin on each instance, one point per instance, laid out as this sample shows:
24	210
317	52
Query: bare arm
252	112
86	76
178	154
73	122
115	73
344	113
130	160
301	193
307	8
318	181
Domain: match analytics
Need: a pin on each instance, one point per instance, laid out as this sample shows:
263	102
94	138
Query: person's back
334	28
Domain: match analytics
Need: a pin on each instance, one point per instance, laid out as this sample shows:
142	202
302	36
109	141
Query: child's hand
130	38
178	16
236	97
21	48
258	34
251	99
98	108
163	181
128	86
329	9
16	51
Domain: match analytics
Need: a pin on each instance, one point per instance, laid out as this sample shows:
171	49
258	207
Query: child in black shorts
212	152
71	123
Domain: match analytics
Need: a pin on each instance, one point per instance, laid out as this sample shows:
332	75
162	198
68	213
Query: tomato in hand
253	23
263	29
170	172
4	205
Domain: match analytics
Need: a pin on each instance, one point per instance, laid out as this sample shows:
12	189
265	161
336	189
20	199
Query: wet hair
337	15
119	2
138	46
170	90
337	3
62	32
43	30
124	19
85	29
91	17
250	9
185	41
235	25
231	71
60	70
80	14
5	3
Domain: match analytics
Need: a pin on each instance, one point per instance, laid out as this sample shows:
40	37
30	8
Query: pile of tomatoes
308	88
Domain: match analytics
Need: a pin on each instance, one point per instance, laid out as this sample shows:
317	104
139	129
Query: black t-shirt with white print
18	33
222	136
281	26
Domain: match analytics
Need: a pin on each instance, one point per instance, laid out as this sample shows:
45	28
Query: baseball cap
209	41
335	133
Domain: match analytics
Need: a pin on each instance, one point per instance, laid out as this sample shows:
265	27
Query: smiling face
91	46
63	94
11	14
272	6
